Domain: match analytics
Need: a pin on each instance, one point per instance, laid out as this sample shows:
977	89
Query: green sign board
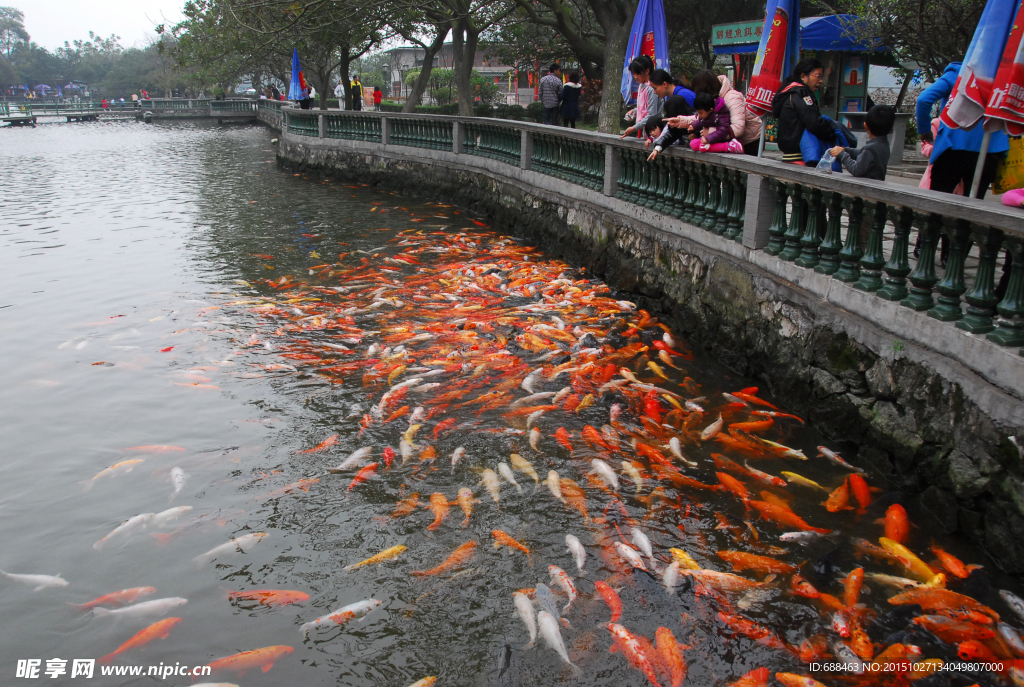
736	33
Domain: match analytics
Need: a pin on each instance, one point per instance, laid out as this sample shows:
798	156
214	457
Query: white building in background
405	58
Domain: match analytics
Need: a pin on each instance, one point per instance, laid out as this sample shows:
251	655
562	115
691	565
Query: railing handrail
972	210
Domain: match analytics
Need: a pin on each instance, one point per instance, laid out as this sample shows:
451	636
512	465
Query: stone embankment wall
910	415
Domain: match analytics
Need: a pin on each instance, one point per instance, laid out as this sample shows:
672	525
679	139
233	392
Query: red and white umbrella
1005	108
990	85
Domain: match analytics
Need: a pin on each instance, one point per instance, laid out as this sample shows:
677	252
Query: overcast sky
51	22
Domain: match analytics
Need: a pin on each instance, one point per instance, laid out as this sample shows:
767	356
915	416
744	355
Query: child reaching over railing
713	123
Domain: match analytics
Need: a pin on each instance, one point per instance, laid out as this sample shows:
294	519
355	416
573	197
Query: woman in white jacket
746	126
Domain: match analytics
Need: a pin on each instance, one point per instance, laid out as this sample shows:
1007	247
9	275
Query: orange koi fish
242	663
270	597
610	597
839	499
119	598
755	678
670	655
401	412
594	438
562	437
322	446
851	587
748	628
303	484
749	395
941	599
444	426
466	501
363	475
504	539
573	496
458	558
439	506
794	680
953	565
635	651
158	630
861	492
953	631
760	564
406	506
723	582
785	518
734	486
897	524
802	587
753	425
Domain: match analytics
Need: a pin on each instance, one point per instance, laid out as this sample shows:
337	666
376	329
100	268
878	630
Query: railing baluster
850	255
714	188
778	228
923	278
952	287
1010	325
873	261
898	266
796	224
832	243
981	299
700	199
739	201
724	200
810	240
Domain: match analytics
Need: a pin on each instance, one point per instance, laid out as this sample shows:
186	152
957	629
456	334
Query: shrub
483	110
389	106
535	112
516	112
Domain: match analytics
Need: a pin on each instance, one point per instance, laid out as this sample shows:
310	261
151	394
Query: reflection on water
229	384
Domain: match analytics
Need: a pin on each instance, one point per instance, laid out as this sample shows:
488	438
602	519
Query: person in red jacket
378	95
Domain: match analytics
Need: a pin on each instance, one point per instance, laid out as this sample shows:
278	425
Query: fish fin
267	667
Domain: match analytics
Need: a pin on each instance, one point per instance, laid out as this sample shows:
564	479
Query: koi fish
553	637
270	597
579	553
573	496
526	613
760	564
37	581
323	445
503	539
119	598
559	577
466	501
914	565
555	485
363	475
802	481
524	466
610	597
158	630
953	565
755	678
439	507
238	545
457	559
406	506
341	616
562	437
126	465
785	517
837	460
758	633
492	484
670	655
897	524
625	641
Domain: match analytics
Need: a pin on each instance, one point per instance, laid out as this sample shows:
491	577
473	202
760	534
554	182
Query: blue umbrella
776	55
295	88
647	37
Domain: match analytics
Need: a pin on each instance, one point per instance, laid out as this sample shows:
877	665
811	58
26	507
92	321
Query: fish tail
106	659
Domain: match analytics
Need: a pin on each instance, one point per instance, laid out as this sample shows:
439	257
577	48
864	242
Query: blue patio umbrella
295	87
648	36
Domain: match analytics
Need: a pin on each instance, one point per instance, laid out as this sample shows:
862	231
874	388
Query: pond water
189	331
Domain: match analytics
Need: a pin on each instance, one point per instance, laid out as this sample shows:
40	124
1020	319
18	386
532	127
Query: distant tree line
224	42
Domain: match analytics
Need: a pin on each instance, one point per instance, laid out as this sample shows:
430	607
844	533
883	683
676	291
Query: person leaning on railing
796	109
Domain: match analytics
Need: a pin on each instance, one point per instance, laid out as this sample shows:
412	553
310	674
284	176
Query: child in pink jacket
713	123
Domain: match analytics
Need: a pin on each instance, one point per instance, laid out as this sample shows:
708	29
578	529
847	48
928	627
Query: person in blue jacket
955	155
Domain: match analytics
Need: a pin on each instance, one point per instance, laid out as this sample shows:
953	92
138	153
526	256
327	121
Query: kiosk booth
844	93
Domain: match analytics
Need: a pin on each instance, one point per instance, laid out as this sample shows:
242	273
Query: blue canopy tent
829	33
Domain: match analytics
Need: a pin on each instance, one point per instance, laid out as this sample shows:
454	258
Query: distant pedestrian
571	92
378	96
122	103
275	94
357	93
551	94
104	104
339	93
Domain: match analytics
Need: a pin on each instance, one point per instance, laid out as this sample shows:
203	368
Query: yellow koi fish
385	555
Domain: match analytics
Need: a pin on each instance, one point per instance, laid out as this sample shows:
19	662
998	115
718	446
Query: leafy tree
929	35
12	30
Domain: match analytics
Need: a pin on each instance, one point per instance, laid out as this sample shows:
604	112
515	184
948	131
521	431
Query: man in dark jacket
796	109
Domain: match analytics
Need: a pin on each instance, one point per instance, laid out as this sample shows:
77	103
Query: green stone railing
827	227
353	127
219	106
422	133
571	159
303	123
495	142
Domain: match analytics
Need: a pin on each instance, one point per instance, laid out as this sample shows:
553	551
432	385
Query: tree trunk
344	64
420	85
907	76
464	42
608	119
